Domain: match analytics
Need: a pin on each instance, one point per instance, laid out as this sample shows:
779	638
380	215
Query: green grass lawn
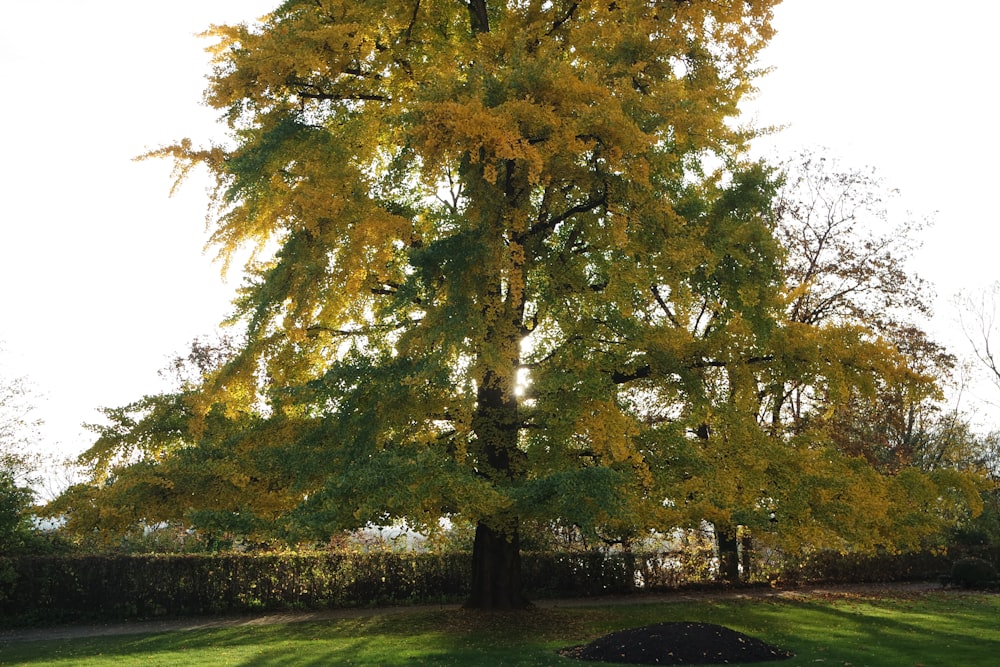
931	629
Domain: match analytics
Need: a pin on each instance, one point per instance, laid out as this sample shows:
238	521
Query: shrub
973	573
15	524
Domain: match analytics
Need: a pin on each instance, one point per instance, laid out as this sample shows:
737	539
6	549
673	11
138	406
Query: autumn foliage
510	264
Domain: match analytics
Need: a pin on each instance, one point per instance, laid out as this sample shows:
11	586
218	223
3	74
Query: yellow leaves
561	138
608	432
451	129
566	98
293	51
944	492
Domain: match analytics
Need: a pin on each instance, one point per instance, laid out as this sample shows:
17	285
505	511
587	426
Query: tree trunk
496	423
496	553
746	556
729	561
496	570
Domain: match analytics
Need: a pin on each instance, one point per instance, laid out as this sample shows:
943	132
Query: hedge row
69	588
75	588
832	567
63	588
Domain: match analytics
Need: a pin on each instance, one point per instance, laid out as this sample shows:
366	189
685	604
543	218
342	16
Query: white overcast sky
103	278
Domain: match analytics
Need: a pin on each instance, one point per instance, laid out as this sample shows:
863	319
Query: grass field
926	629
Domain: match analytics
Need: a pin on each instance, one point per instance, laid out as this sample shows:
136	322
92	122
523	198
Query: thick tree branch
663	304
343	97
317	329
619	377
546	226
479	17
558	23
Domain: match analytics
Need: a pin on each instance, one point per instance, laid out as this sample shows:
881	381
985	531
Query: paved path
203	623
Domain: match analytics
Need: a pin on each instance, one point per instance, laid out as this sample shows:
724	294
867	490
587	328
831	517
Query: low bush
973	573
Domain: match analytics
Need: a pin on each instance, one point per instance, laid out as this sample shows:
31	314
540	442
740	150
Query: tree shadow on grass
440	637
937	629
888	631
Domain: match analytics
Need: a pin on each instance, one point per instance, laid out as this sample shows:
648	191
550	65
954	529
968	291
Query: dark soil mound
677	644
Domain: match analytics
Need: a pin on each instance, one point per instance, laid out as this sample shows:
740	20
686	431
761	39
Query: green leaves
495	279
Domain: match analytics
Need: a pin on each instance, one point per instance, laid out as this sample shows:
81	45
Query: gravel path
203	623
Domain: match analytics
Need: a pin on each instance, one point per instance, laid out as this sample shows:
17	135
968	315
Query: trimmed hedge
73	588
52	589
833	567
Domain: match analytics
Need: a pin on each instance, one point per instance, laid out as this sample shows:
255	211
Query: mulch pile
677	644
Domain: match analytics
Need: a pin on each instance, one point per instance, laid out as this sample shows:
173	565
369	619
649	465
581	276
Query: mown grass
929	629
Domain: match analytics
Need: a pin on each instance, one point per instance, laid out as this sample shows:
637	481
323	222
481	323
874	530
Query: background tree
849	386
19	459
15	520
19	429
846	275
977	310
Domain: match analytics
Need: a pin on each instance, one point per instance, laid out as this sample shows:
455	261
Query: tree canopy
510	264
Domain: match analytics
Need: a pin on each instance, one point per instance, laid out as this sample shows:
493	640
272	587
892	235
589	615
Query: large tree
494	280
492	239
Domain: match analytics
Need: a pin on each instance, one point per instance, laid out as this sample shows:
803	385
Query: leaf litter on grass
677	643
